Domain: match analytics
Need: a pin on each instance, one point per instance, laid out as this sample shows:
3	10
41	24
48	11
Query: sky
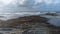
29	5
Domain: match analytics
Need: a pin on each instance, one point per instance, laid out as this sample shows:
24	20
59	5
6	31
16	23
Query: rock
26	22
52	14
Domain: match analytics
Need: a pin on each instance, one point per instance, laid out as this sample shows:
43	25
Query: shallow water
54	20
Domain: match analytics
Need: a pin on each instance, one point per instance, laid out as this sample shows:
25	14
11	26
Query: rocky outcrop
33	22
25	22
52	14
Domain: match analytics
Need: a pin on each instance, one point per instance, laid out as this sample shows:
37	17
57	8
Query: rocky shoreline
27	22
24	21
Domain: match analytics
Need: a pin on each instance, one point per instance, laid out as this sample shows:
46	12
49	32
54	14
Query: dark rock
52	14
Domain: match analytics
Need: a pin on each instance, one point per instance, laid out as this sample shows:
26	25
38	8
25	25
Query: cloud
38	1
48	1
27	5
21	1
